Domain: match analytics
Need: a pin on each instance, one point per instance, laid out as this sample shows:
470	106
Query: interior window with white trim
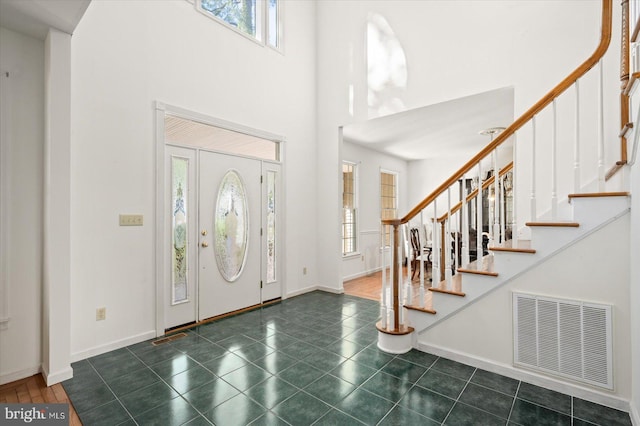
349	209
257	19
388	200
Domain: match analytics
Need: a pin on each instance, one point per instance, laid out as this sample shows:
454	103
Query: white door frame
161	270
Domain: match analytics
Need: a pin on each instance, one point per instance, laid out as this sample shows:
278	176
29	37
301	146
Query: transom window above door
185	132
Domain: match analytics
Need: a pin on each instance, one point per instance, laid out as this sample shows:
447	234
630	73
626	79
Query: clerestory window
257	19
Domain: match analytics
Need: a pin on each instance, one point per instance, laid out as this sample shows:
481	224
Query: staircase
588	213
575	206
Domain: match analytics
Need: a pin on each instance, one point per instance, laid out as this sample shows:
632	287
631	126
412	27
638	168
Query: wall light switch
131	220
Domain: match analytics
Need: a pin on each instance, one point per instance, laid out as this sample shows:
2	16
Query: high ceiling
446	129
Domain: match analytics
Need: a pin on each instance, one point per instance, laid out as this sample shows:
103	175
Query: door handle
205	244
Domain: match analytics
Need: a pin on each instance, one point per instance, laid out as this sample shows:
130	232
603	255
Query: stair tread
516	246
415	300
554	223
418	308
599	194
482	267
456	286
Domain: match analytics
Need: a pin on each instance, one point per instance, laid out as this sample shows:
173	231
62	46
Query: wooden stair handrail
605	40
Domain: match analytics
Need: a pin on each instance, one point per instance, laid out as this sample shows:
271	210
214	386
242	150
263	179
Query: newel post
396	337
396	275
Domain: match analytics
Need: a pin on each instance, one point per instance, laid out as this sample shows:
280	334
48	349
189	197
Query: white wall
483	331
444	62
634	287
369	164
126	55
20	338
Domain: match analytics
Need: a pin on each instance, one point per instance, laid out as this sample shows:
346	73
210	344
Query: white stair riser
590	213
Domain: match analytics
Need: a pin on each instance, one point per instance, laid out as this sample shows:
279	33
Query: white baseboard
17	375
361	274
634	414
98	350
557	385
314	288
331	290
57	377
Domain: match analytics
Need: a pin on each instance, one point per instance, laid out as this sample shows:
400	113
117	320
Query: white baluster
446	244
465	223
383	298
421	303
400	286
496	198
479	248
409	288
554	166
392	253
456	240
435	252
534	214
576	146
503	230
600	128
514	220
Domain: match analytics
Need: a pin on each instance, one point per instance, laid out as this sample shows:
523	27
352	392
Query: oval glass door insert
231	223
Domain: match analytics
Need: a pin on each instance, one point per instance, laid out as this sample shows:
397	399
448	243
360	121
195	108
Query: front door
229	258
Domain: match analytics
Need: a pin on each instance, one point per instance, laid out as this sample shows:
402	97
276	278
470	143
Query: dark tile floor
311	359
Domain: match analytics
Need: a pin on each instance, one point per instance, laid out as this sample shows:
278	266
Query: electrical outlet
363	257
101	314
131	220
304	271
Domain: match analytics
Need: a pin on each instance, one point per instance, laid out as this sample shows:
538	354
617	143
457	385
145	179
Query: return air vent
568	338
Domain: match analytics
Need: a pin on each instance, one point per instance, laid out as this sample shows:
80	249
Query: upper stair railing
447	230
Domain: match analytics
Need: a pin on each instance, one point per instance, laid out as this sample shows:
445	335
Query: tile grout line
459	395
166	383
112	392
513	404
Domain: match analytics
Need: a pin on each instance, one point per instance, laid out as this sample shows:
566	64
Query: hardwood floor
34	390
370	287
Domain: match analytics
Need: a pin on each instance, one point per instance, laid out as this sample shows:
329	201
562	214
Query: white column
56	323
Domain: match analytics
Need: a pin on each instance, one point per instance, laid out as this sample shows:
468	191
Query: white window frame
356	212
263	29
386	242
